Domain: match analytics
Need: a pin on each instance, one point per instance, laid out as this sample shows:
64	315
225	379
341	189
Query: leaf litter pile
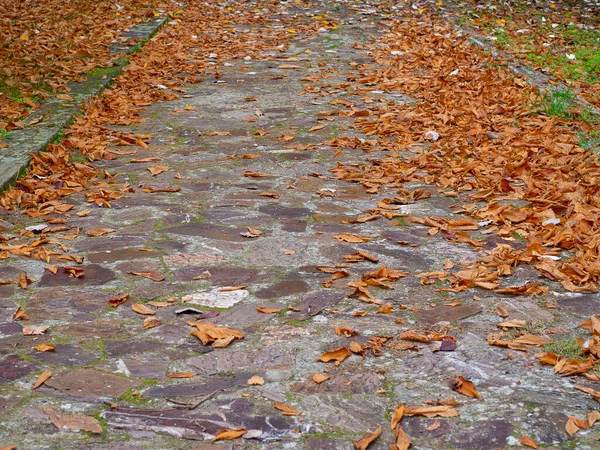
44	45
471	134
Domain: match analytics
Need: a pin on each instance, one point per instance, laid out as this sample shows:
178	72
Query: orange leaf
319	378
45	348
264	310
286	409
142	309
528	442
44	376
464	387
227	435
114	302
367	439
337	355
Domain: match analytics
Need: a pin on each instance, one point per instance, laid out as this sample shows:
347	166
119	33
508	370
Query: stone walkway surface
254	206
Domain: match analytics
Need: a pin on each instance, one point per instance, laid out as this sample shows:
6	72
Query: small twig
191	406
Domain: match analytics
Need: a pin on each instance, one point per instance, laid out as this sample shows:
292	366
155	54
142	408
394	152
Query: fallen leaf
151	322
264	310
501	311
20	314
367	439
256	381
95	232
397	416
31	330
319	378
527	441
286	409
434	426
465	387
338	355
402	440
352	238
45	348
23	281
431	411
44	376
227	435
114	302
142	309
74	272
181	375
157	170
210	333
232	288
151	274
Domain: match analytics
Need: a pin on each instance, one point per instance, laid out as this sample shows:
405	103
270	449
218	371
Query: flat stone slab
89	383
95	275
67	355
226	361
12	368
283	289
314	302
432	316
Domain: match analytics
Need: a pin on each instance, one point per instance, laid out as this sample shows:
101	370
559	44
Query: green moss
566	346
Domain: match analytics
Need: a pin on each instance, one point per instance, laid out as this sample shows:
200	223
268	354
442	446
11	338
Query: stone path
108	367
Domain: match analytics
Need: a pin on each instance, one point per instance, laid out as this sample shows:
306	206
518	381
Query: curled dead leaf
44	376
367	439
338	355
465	387
227	435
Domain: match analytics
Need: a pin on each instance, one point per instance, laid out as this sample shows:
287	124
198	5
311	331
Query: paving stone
525	310
283	212
153	369
314	302
120	255
584	305
283	289
317	443
89	383
443	313
96	329
350	381
210	231
67	355
193	389
351	414
95	275
228	360
13	367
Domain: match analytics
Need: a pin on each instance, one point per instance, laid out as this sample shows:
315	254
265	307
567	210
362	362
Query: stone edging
58	114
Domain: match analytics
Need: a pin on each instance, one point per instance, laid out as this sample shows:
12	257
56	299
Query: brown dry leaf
83	213
181	375
386	309
593	417
151	322
319	378
227	435
286	409
142	309
501	311
269	194
52	269
528	442
249	174
20	314
431	411
23	281
166	304
338	355
150	274
367	439
210	333
232	288
434	426
412	335
74	272
95	232
157	170
289	252
355	347
574	424
515	323
346	330
146	160
31	330
402	440
44	376
256	381
465	387
397	416
116	301
153	189
45	348
254	231
250	156
352	238
265	310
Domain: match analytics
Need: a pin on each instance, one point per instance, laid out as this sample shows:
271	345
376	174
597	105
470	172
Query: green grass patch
558	103
565	346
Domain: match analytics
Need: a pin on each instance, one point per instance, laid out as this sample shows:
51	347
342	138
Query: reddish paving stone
89	383
95	275
283	289
13	367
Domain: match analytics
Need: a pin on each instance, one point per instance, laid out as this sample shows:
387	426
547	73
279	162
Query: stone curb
58	114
